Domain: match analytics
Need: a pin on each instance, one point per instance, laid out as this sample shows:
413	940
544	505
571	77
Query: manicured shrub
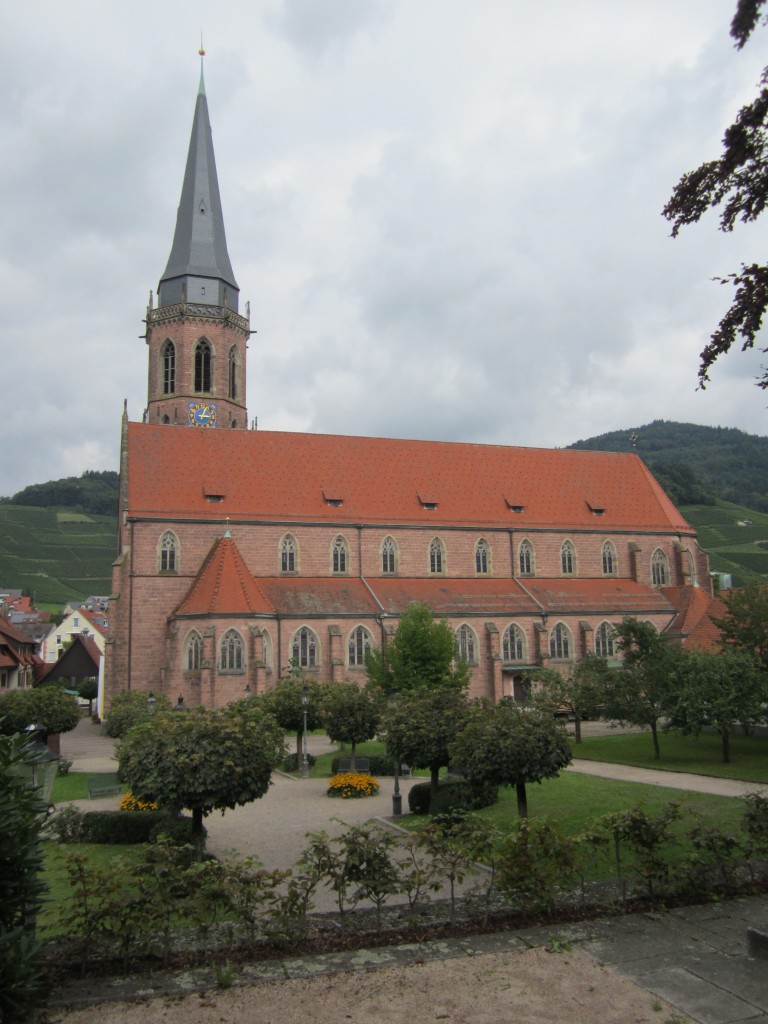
118	828
130	708
452	795
378	764
351	785
290	765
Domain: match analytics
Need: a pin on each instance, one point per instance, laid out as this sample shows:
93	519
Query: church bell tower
196	336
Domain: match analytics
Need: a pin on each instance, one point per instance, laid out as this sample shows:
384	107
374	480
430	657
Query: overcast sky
445	215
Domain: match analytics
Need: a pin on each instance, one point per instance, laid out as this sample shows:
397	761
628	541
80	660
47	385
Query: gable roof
224	586
694	609
288	477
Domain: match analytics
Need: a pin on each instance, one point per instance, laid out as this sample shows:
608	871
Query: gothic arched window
194	647
436	556
482	557
609	559
359	646
339	556
513	643
231	652
526	558
203	359
567	558
560	642
604	643
234	367
304	648
169	552
466	644
288	554
169	367
388	557
659	568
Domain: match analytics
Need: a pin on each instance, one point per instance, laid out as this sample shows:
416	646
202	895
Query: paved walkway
695	958
669	780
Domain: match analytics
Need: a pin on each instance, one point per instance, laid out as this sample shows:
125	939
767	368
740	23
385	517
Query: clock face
202	414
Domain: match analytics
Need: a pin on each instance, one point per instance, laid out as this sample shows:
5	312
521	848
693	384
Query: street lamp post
304	706
397	797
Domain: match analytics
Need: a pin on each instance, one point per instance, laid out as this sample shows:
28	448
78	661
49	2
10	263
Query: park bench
362	764
103	785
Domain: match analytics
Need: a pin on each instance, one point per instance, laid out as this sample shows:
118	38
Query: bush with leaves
535	863
22	815
129	708
47	706
350	714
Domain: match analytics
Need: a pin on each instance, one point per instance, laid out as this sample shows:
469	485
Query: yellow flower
352	784
128	802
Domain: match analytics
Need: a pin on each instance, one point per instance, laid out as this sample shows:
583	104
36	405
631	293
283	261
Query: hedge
378	764
121	827
452	795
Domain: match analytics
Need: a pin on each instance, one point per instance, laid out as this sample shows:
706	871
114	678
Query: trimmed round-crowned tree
47	706
202	760
350	714
286	704
508	745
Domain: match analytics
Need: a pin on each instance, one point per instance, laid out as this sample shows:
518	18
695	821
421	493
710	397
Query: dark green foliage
506	745
292	763
421	655
48	706
22	815
119	828
350	714
421	725
726	463
451	795
285	703
535	863
202	760
94	492
130	708
744	627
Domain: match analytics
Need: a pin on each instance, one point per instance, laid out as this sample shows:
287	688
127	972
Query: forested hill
93	493
696	465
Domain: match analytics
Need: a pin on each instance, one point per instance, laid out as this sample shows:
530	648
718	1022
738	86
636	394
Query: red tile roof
604	595
693	619
224	586
265	475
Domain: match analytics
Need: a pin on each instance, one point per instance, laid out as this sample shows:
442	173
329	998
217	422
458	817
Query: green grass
700	755
72	786
55	876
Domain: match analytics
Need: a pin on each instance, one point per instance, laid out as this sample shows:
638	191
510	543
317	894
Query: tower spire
199	269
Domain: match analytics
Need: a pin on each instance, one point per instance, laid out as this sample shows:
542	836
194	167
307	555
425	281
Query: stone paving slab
703	1001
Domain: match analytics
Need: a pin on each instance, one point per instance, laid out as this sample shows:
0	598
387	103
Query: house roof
694	609
178	472
71	658
604	595
97	619
224	585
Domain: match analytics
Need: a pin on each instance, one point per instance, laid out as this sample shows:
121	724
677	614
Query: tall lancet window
233	374
169	368
203	366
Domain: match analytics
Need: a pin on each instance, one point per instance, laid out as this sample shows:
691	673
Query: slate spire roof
199	243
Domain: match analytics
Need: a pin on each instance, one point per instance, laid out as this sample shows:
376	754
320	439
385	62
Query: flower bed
350	785
128	802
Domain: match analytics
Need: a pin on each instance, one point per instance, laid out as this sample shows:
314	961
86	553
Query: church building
242	551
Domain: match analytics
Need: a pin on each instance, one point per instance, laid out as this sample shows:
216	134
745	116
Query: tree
736	182
640	692
47	706
421	724
22	815
88	689
718	690
202	760
508	745
133	707
286	704
349	714
579	694
744	627
421	654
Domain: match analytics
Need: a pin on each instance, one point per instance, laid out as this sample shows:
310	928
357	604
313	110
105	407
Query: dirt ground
530	987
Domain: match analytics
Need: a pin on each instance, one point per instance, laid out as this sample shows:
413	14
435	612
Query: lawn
72	786
700	755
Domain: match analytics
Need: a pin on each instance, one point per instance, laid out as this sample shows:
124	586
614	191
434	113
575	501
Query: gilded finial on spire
201	52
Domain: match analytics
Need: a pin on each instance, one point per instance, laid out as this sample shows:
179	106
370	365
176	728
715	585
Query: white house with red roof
243	551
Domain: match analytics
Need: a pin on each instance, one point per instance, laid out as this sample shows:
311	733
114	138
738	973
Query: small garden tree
506	745
133	707
579	694
420	726
202	760
642	691
719	690
47	706
285	704
421	655
88	689
350	714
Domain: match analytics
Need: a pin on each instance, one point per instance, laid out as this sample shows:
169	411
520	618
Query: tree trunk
655	734
198	840
522	800
352	761
433	782
725	735
577	727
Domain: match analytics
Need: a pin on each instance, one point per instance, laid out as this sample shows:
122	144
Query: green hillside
56	555
741	550
696	464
